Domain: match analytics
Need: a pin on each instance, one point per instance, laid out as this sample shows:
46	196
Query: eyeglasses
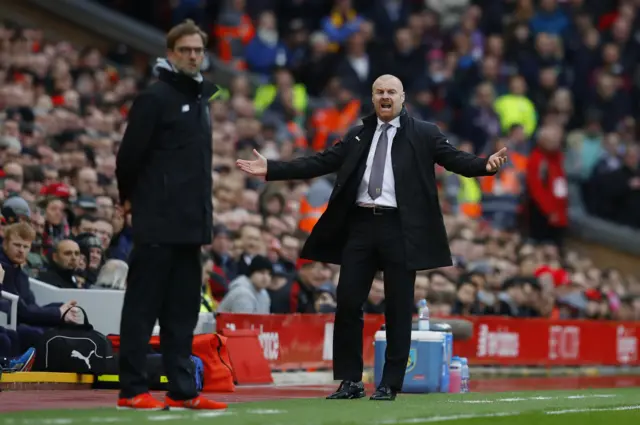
184	50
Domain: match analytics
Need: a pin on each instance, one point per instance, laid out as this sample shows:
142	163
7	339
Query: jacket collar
180	81
4	259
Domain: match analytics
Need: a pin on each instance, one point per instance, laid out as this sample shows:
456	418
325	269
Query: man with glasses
163	169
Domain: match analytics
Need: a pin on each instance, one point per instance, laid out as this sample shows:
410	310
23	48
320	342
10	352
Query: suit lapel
361	144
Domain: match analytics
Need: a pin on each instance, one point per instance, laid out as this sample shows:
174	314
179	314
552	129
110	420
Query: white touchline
266	411
516	399
593	409
448	418
166	417
211	414
500	414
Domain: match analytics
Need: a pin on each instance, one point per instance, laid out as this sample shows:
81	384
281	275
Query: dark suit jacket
417	147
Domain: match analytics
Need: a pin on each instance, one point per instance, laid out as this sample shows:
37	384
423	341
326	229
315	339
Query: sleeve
136	142
32	314
456	161
326	162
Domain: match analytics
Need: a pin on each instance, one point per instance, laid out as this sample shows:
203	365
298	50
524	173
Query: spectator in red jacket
547	188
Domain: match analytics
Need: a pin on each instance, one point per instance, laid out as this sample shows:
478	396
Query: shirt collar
394	122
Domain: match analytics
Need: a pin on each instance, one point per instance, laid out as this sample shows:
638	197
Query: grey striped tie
377	166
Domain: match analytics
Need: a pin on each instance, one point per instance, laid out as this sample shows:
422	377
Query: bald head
387	97
388	79
66	254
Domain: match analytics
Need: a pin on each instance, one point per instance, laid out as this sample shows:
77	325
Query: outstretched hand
256	167
497	160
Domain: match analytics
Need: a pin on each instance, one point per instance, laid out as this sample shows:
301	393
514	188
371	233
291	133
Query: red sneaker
197	403
140	402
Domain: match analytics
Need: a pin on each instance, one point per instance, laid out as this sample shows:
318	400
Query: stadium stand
555	82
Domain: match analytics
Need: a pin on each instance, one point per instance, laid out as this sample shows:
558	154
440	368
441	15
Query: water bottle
455	375
423	315
464	375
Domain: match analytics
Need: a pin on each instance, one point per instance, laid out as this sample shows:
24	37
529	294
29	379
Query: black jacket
59	277
16	282
164	163
417	147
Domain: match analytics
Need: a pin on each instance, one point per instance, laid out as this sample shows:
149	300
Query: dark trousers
374	243
9	345
29	336
541	231
164	282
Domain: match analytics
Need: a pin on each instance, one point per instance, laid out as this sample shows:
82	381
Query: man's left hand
497	160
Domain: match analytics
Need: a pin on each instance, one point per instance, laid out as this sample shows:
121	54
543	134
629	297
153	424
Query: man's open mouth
385	106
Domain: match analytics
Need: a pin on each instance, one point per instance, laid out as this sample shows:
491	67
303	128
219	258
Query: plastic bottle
464	375
455	375
423	315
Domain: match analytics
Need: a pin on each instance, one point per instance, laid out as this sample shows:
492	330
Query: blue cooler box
428	364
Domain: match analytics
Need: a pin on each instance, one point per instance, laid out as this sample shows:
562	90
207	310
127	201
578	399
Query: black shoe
384	393
348	390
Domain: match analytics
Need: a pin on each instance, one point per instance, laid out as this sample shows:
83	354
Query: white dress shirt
388	196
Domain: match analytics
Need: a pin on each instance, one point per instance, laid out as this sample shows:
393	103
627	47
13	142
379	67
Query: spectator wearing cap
91	257
248	294
15	209
63	266
84	204
325	298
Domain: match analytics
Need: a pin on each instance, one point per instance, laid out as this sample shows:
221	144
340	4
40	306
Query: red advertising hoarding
301	341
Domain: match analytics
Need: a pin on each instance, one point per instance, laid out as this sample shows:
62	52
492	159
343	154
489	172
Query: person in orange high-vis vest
309	215
332	120
232	40
509	180
502	192
313	204
299	139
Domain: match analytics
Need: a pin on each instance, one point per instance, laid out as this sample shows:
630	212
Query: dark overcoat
417	147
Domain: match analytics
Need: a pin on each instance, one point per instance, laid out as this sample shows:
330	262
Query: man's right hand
74	315
257	167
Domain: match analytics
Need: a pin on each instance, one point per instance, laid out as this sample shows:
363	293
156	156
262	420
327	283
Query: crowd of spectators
553	81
